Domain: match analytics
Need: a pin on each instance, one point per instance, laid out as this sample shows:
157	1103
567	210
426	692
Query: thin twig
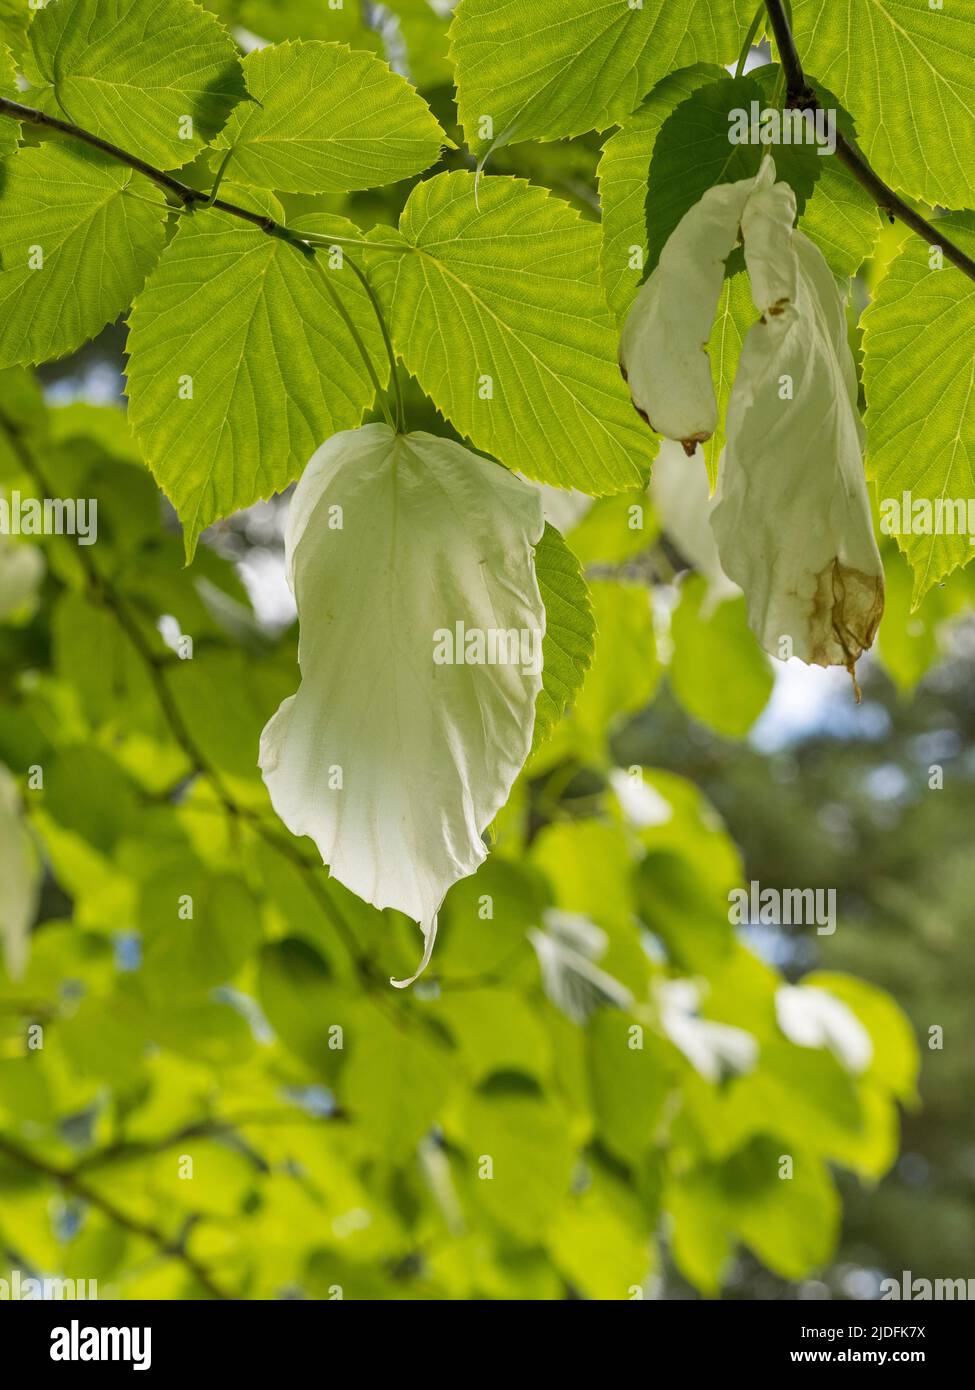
211	1128
191	197
71	1182
384	329
187	195
801	97
746	47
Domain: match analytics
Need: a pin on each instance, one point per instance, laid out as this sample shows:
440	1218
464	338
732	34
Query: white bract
811	1017
713	1049
412	563
663	348
568	950
21	572
791	517
681	499
19	878
641	804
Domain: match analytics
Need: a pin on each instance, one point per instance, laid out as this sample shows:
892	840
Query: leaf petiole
356	337
384	329
746	47
219	179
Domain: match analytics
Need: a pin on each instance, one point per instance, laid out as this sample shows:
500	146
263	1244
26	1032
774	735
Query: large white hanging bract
663	347
811	1017
421	625
21	574
791	517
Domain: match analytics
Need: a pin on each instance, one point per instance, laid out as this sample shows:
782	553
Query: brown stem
801	97
187	195
71	1182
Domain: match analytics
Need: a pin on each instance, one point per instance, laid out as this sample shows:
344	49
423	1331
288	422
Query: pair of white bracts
791	515
395	761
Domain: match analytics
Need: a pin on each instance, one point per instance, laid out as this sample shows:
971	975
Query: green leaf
221	706
624	170
895	1063
395	1082
718	671
496	1030
589	866
561	67
15	18
626	670
9	130
839	216
570	629
919	380
909	642
498	311
158	77
307	1009
311	19
700	1239
485	919
693	152
93	654
525	1136
905	72
683	883
424	31
60	211
188	954
789	1223
601	1242
801	1094
248	324
88	793
841	219
326	119
615	529
632	1078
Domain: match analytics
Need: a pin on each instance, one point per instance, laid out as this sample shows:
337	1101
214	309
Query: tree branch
801	97
187	196
195	197
72	1183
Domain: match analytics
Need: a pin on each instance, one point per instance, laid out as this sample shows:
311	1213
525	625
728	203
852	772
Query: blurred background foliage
591	1093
